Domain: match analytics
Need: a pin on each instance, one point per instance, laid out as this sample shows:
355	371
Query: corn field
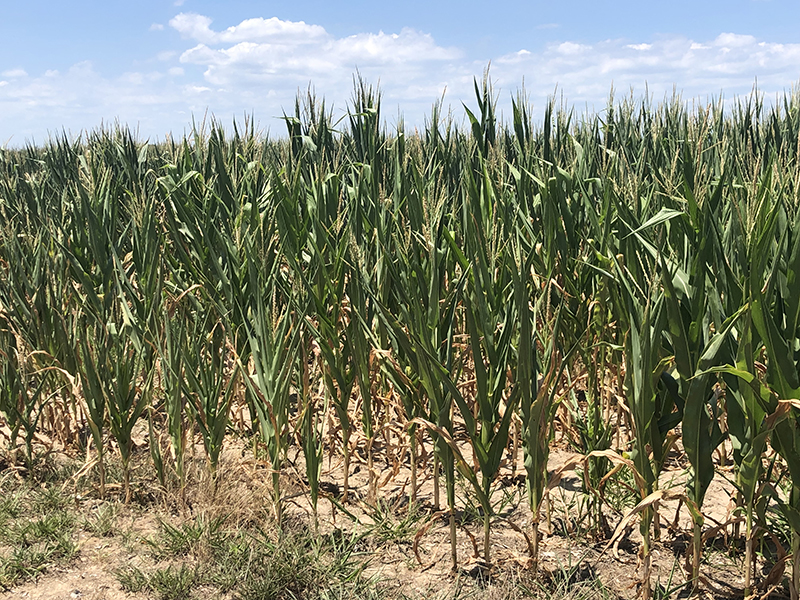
630	279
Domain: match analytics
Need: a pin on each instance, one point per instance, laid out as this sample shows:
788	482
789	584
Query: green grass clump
170	583
249	564
37	529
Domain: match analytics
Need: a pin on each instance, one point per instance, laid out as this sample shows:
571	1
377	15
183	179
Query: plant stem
126	470
486	541
795	587
373	484
345	484
102	472
413	441
647	592
748	556
697	548
435	483
276	490
453	549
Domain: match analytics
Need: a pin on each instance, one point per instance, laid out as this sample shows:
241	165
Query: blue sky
156	64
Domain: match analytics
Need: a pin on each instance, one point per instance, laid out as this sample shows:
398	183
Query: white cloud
273	30
729	63
259	64
156	27
570	48
328	58
273	57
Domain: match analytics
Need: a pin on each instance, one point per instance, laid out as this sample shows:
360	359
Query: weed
103	522
50	498
36	530
301	566
189	538
391	523
169	583
29	560
620	491
571	580
131	578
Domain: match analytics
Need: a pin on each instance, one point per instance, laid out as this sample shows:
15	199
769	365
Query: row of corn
458	285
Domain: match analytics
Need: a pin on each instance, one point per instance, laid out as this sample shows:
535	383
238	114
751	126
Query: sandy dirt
422	571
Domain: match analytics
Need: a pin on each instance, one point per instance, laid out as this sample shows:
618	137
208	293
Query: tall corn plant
273	333
685	278
419	216
695	347
27	295
139	281
537	396
544	250
752	409
37	300
313	226
775	313
210	373
427	296
644	366
491	321
588	329
371	250
171	380
90	243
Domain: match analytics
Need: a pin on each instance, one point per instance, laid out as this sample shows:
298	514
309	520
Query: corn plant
421	213
20	406
171	377
90	245
311	424
39	337
423	333
537	394
210	374
371	248
775	312
273	332
644	367
695	348
491	318
318	231
753	410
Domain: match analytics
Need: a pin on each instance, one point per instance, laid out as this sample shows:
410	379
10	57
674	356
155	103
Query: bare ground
408	553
